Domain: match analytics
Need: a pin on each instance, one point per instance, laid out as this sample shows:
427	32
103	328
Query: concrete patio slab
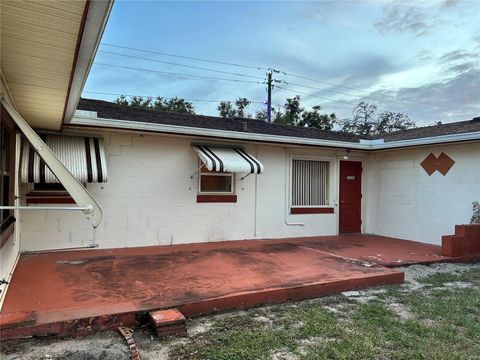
77	292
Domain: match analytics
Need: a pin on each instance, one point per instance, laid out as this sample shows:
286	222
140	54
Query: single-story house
144	177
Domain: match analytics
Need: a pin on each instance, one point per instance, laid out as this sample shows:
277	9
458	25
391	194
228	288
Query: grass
438	321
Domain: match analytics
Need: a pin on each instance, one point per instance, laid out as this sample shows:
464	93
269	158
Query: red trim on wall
49	200
216	198
311	210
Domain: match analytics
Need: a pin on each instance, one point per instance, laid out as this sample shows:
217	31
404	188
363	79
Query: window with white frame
215	182
310	182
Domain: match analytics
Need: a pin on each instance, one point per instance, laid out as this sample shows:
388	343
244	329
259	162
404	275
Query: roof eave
89	40
96	122
377	144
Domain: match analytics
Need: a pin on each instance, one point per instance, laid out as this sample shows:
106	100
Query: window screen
310	180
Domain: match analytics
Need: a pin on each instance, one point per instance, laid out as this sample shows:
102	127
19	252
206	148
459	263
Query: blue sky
418	57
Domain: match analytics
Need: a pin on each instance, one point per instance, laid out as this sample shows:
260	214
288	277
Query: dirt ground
110	345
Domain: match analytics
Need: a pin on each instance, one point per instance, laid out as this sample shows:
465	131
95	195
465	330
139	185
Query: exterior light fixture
347	152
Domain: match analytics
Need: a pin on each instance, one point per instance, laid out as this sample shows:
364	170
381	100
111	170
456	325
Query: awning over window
84	157
228	159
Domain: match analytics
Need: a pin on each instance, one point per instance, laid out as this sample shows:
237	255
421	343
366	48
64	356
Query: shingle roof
108	110
460	127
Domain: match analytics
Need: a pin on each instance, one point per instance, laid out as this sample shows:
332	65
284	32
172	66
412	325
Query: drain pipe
287	168
255	215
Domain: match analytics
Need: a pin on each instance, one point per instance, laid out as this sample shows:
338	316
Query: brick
452	245
168	322
166	317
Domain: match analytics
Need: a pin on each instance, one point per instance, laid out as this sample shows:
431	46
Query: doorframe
361	160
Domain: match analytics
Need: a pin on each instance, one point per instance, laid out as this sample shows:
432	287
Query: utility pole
269	98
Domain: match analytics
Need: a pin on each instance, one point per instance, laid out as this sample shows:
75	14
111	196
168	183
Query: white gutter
83	118
97	16
186	130
427	140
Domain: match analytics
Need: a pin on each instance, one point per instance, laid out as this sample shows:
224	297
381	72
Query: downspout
287	168
256	199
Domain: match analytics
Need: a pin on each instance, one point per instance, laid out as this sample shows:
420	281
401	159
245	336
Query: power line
267	69
183	65
177	74
313	95
167	98
185	57
343	93
351	88
322	97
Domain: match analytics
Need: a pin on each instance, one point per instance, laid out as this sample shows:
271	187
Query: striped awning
228	159
84	157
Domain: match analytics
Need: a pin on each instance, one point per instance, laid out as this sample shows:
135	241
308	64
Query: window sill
48	198
204	198
311	210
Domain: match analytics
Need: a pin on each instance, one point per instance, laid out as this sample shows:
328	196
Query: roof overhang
87	119
46	52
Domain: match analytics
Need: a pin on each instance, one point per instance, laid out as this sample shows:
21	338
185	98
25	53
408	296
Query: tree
317	120
389	121
160	103
242	104
291	112
173	104
226	109
366	122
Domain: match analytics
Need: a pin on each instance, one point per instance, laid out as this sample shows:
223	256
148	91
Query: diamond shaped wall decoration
445	163
429	164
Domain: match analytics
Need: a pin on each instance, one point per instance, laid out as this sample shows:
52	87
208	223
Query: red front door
350	197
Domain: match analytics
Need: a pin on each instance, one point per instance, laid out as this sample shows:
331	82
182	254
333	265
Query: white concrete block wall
403	201
149	199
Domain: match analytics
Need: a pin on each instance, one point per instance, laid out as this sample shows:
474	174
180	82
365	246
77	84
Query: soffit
38	44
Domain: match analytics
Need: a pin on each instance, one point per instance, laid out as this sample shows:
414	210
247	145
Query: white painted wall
404	202
149	199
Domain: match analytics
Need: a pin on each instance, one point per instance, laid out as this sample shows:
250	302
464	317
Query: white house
166	178
161	178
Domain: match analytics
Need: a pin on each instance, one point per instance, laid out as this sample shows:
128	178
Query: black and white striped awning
228	159
84	157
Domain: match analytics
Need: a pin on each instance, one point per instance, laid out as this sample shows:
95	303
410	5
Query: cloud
400	18
458	61
418	19
450	3
425	54
456	55
454	99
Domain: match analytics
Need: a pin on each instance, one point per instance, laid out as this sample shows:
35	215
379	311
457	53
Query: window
215	182
48	193
54	187
310	183
6	176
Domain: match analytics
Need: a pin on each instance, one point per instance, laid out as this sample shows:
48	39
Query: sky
420	57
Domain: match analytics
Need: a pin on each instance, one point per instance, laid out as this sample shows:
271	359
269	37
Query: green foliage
293	114
227	110
159	104
366	122
317	120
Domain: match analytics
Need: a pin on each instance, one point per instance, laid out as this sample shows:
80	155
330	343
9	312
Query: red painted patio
76	292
